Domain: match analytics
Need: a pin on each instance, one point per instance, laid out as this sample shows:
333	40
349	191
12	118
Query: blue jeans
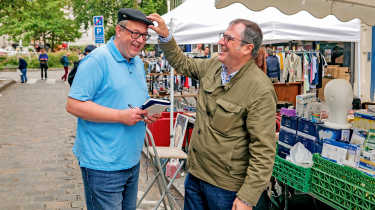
23	75
200	195
111	190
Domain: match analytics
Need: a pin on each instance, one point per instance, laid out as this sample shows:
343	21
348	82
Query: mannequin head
338	95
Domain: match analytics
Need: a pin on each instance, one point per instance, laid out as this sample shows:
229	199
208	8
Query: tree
38	20
85	10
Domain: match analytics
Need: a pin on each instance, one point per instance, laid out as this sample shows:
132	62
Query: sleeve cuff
245	202
165	39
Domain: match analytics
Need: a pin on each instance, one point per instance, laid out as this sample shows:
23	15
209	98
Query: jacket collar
239	74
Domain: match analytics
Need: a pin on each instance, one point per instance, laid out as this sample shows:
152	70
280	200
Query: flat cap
133	14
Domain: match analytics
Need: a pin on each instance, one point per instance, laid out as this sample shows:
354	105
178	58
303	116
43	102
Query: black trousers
43	68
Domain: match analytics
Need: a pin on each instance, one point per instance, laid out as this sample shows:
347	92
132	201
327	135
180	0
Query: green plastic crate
342	186
292	175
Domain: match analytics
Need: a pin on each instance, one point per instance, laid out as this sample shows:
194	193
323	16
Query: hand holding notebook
155	106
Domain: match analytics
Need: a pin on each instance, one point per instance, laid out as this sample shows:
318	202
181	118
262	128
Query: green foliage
32	62
2	58
12	61
85	10
47	20
39	20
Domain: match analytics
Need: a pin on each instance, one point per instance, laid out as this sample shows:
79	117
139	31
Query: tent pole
372	87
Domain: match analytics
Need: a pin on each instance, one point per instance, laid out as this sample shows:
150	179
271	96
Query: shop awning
197	21
344	10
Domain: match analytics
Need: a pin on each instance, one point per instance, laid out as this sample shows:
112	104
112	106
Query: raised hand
162	28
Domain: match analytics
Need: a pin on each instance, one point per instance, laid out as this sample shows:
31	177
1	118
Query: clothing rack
295	51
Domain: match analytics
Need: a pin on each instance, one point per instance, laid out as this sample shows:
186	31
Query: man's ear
248	49
118	30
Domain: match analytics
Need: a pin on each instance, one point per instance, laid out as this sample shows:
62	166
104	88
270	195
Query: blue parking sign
98	21
99	34
99	31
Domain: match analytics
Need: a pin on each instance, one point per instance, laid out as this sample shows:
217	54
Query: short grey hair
123	22
252	34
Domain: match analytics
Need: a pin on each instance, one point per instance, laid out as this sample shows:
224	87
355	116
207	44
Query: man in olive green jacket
233	145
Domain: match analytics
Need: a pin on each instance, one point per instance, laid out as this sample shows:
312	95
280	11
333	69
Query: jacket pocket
227	116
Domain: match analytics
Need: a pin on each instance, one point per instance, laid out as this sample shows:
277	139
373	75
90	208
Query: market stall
276	26
328	150
343	179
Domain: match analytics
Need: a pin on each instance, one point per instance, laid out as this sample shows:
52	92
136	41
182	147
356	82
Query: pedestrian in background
73	72
206	52
65	62
110	135
22	65
43	61
233	145
198	50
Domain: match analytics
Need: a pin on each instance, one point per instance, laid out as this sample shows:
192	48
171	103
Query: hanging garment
281	56
306	84
293	68
273	67
314	70
186	84
322	64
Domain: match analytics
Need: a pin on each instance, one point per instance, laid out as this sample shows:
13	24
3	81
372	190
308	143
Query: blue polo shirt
108	79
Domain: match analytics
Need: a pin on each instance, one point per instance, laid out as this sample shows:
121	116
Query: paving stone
77	204
37	167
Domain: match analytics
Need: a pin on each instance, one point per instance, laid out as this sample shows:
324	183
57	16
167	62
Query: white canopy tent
197	21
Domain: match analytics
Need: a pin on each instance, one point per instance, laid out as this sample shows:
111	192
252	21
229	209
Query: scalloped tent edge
344	10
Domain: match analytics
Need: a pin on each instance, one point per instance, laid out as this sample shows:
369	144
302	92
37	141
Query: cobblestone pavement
37	166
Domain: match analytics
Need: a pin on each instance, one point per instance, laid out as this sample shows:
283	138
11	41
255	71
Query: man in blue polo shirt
110	135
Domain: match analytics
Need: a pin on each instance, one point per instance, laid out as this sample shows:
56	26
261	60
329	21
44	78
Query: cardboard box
321	90
325	132
341	153
330	70
287	136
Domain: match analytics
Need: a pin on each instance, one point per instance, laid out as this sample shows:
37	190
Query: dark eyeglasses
136	35
228	38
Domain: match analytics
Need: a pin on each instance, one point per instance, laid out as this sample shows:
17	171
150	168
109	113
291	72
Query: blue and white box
283	149
287	136
342	153
289	122
307	127
325	132
308	141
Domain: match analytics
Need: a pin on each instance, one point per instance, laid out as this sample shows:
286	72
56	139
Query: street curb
6	84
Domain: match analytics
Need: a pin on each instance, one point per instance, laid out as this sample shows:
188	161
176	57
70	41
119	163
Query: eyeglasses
228	38
136	35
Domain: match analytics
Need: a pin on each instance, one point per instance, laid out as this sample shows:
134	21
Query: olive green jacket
233	142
